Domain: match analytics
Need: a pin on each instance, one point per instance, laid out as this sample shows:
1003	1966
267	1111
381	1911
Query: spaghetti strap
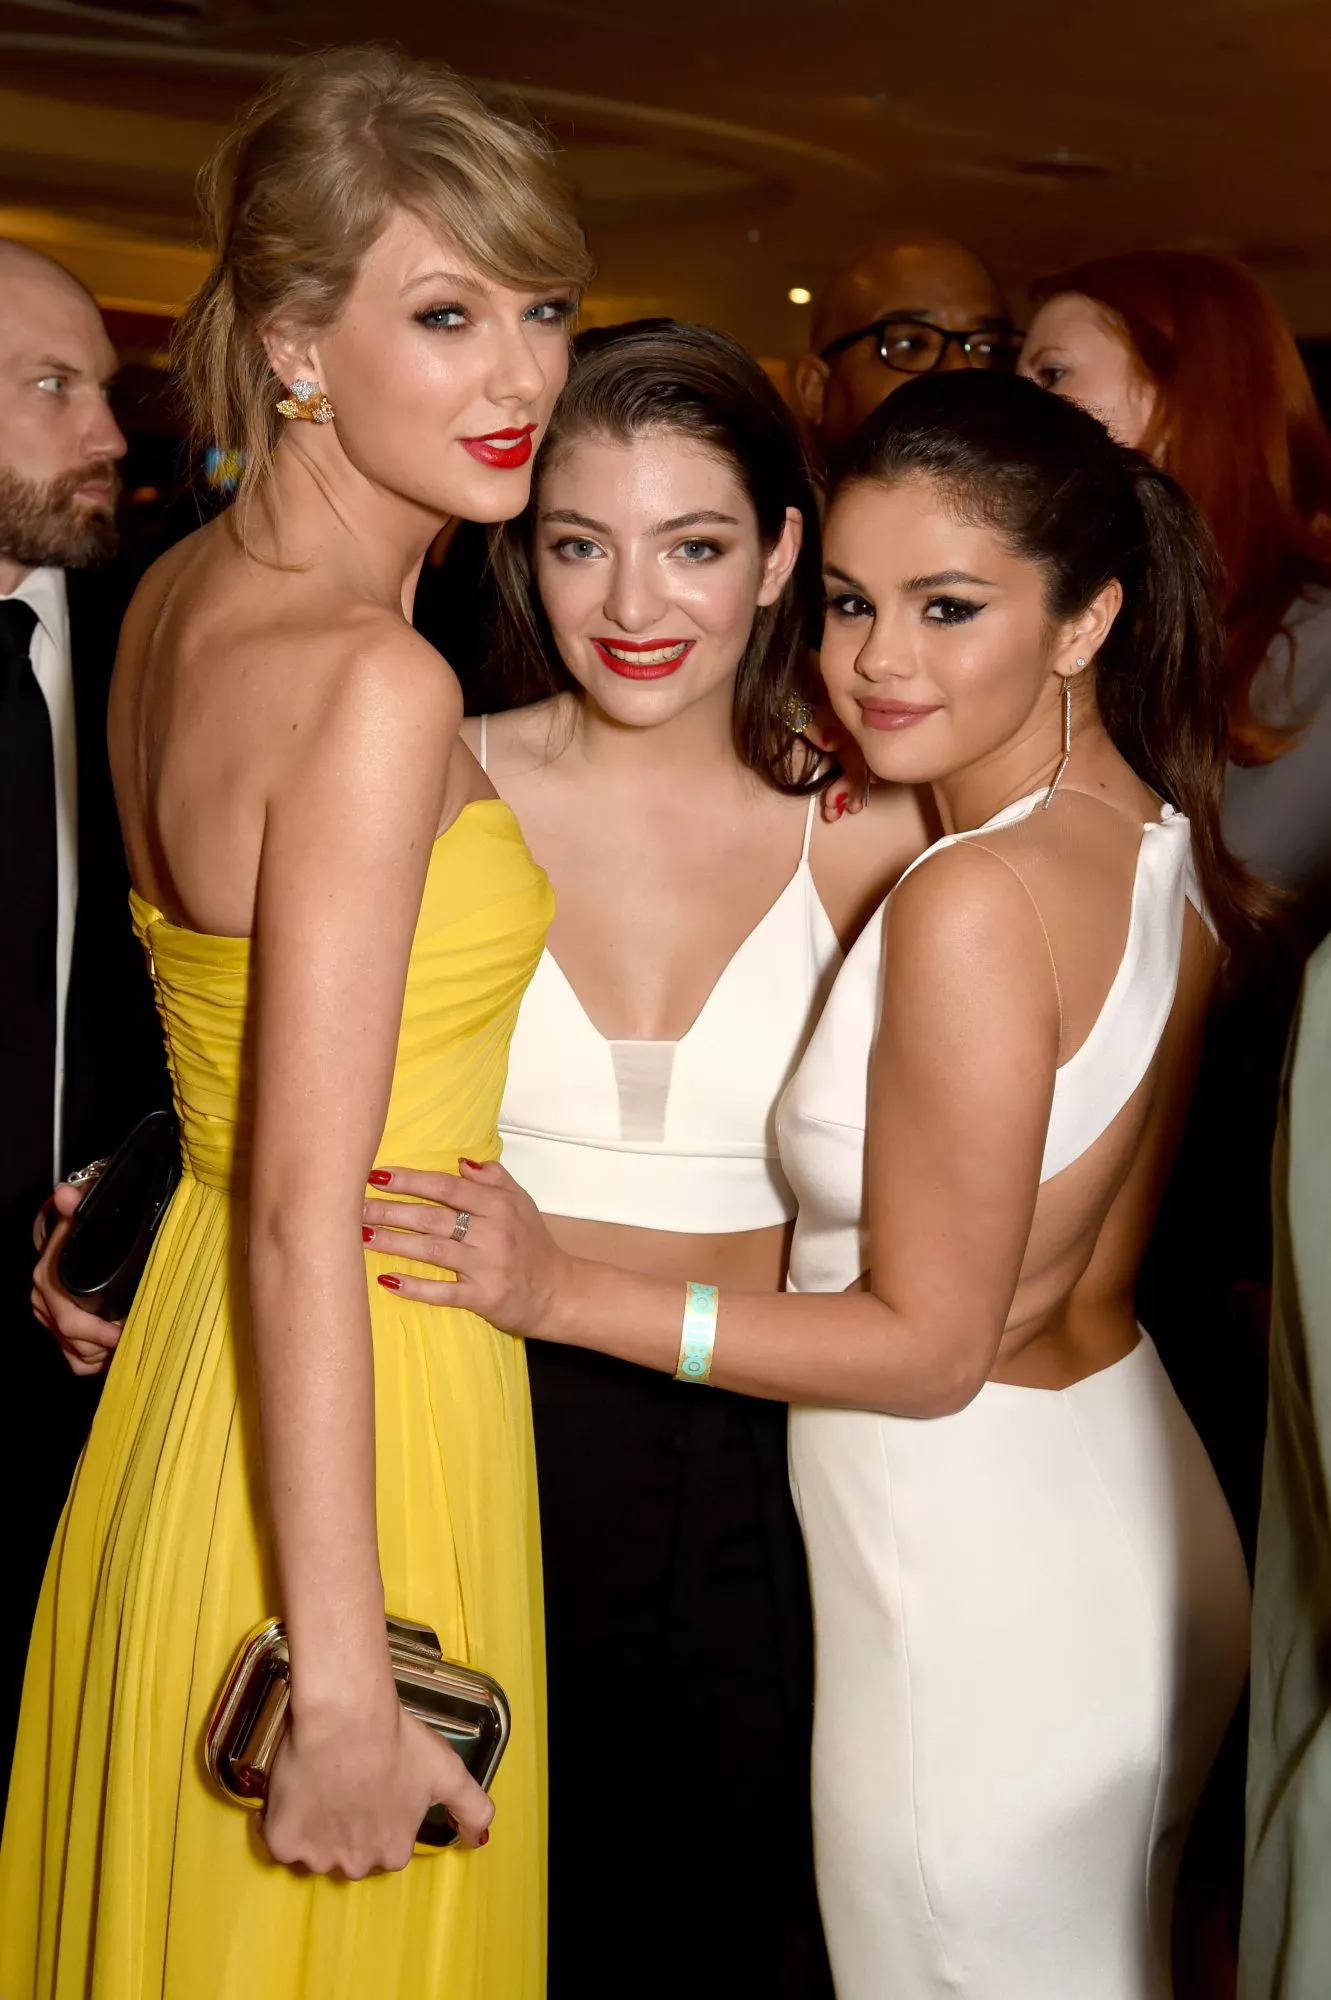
485	743
814	797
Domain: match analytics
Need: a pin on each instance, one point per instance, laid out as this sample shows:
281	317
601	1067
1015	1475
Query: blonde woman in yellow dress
341	918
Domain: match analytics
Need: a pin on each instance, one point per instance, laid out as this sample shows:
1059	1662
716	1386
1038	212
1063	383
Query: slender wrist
563	1316
324	1701
335	1621
339	1675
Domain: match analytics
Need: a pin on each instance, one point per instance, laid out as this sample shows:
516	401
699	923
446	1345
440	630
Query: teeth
659	656
504	444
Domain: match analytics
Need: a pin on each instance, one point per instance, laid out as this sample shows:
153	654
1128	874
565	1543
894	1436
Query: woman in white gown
1029	1600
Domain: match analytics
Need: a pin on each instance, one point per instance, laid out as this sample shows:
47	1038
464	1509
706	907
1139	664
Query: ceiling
728	150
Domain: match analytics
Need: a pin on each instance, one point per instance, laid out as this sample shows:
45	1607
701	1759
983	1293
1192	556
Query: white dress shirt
44	590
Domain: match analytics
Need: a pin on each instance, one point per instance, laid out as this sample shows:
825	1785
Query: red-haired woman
1188	358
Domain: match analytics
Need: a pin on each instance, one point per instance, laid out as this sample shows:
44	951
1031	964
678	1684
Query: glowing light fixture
799	295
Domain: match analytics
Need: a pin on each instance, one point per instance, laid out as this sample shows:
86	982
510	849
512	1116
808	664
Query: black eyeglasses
912	346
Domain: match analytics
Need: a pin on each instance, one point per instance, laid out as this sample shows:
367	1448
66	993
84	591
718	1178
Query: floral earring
796	714
307	403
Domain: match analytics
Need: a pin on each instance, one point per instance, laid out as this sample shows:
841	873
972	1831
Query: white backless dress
1031	1617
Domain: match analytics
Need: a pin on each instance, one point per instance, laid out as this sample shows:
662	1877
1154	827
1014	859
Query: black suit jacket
115	1071
115	1065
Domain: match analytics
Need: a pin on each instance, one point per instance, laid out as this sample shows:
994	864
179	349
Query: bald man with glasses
907	306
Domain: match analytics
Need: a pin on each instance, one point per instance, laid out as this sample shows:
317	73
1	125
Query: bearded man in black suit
80	1049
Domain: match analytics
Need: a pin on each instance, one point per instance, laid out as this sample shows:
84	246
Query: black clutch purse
103	1256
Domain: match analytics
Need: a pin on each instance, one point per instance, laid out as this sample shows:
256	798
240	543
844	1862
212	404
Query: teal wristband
698	1334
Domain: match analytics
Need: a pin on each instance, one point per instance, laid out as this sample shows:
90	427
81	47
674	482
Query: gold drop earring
1067	737
306	404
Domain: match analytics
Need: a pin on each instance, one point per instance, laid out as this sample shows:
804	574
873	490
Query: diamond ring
461	1226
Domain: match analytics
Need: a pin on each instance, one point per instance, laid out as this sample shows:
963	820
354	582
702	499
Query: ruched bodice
123	1873
483	918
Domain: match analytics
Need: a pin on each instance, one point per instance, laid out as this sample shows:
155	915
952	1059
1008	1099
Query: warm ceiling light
799	295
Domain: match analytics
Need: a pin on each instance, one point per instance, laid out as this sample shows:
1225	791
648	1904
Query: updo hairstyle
306	184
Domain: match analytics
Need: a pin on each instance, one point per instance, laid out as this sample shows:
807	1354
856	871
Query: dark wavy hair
667	378
1047	477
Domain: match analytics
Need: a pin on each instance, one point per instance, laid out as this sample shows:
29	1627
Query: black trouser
678	1631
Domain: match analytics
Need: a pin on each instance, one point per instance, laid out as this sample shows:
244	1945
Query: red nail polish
483	1837
475	1165
380	1179
391	1284
366	1233
841	801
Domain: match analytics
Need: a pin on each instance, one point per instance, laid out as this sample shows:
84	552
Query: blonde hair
305	185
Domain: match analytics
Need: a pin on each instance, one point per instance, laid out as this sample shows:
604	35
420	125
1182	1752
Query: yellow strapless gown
122	1874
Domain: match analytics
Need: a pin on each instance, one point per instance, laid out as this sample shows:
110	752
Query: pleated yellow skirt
123	1874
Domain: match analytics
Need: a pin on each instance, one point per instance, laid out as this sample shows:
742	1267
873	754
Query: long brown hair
1049	479
662	378
307	182
1238	426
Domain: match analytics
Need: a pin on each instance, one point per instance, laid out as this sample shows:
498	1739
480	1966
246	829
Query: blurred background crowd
727	165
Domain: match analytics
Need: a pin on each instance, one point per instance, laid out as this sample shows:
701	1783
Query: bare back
228	681
1017	1006
1073	1306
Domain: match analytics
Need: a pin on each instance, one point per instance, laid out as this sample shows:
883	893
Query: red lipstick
643	659
894	714
502	448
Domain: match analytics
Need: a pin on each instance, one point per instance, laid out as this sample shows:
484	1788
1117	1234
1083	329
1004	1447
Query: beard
47	525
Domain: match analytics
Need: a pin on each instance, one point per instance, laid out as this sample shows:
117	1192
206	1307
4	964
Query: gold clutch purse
464	1706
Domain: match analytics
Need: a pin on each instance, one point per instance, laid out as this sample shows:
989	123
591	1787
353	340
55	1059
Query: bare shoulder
364	721
520	741
1087	845
370	656
857	861
965	885
964	930
379	696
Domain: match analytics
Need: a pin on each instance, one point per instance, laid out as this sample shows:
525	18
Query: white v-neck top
671	1135
824	1112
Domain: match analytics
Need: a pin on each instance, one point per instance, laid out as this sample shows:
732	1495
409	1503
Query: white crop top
823	1114
671	1135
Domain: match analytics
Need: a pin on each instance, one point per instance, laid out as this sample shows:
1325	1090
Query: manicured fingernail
475	1165
481	1838
380	1179
366	1234
841	801
391	1284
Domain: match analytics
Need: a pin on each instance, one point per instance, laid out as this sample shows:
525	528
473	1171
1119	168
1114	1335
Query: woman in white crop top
702	908
1030	1605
